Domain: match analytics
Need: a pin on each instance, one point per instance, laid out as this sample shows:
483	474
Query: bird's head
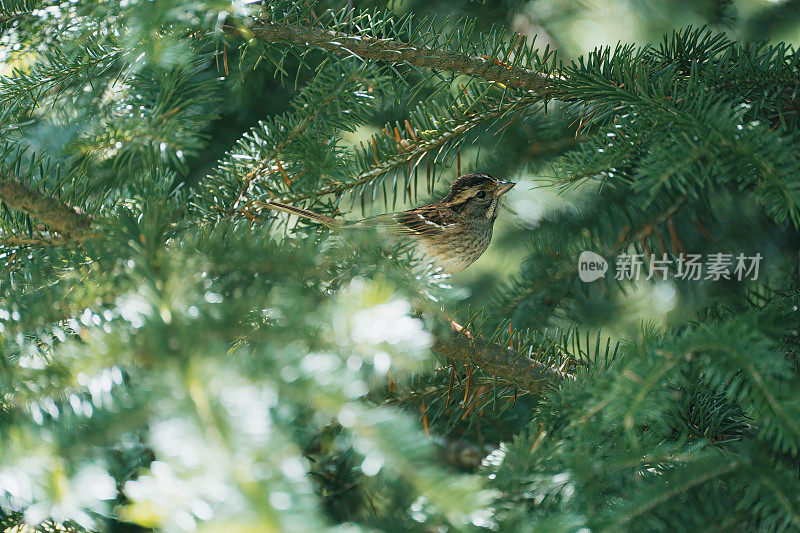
477	196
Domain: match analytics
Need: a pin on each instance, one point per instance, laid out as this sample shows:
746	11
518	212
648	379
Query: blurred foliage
195	364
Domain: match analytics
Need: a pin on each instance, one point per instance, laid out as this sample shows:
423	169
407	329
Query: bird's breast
454	251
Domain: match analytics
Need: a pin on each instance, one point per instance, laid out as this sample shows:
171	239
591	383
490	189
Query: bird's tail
305	213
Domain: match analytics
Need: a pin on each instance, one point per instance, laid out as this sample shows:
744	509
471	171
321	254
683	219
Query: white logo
591	266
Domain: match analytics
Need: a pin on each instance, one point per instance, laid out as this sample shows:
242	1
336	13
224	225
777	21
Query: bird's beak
503	187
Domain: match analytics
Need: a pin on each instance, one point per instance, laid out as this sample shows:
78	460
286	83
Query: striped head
477	196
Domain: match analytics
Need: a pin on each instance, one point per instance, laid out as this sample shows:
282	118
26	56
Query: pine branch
339	98
414	153
56	70
14	10
15	241
395	52
299	129
712	137
678	487
498	361
262	165
783	498
11	18
57	215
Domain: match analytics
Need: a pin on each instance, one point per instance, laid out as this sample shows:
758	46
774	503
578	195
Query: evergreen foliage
172	358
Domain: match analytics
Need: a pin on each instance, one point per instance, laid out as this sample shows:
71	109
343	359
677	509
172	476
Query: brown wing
427	220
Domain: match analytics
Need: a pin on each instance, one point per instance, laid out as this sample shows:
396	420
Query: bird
453	232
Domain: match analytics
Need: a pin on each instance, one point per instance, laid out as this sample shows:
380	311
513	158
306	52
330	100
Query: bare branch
57	215
395	52
498	361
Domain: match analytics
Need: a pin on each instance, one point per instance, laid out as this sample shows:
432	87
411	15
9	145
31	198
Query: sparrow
453	232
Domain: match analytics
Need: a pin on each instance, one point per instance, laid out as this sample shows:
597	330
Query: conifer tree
173	357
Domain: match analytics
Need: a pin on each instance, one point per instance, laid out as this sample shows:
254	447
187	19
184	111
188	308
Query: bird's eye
481	194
